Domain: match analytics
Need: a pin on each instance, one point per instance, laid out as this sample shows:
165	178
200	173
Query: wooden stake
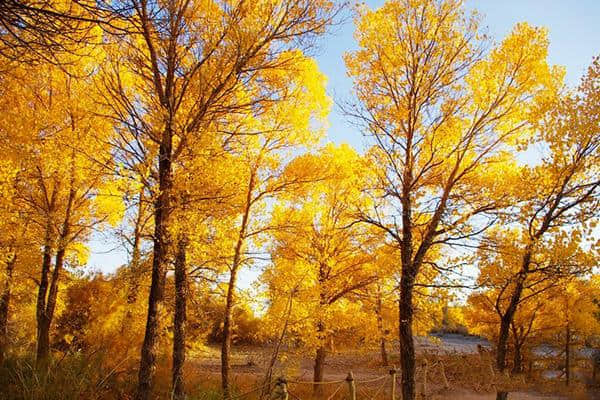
280	391
351	386
393	374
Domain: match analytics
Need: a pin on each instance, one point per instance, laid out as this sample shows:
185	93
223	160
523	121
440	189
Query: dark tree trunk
43	349
181	285
508	316
517	360
159	270
502	347
40	311
518	341
4	304
44	344
568	354
501	395
319	370
407	346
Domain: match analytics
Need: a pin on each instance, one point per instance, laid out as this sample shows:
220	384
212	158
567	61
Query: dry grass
448	376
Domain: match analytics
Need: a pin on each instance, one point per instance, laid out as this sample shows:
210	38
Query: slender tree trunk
43	350
228	333
4	304
159	270
407	346
380	327
321	354
568	354
180	317
134	273
508	316
275	354
230	300
41	301
517	360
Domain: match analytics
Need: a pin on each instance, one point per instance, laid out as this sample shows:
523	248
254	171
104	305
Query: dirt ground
249	365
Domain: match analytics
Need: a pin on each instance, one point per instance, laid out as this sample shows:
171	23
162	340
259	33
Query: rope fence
379	387
281	390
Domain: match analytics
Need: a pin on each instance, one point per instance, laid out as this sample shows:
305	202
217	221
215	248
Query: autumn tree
186	67
293	123
442	112
63	192
555	216
320	249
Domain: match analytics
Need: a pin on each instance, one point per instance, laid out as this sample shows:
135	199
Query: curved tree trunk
230	300
4	304
180	317
508	316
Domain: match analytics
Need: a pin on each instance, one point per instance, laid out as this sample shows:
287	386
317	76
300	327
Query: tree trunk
44	333
40	311
179	319
228	333
502	347
134	273
568	354
230	300
4	304
382	332
508	316
162	210
517	360
407	346
319	370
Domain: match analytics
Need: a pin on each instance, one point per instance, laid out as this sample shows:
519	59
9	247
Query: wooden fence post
393	374
280	390
351	386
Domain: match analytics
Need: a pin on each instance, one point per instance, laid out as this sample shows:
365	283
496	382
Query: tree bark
180	318
517	360
43	350
568	354
162	210
40	311
227	334
4	304
407	346
508	316
319	370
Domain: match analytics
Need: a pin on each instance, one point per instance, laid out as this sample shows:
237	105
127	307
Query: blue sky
574	31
